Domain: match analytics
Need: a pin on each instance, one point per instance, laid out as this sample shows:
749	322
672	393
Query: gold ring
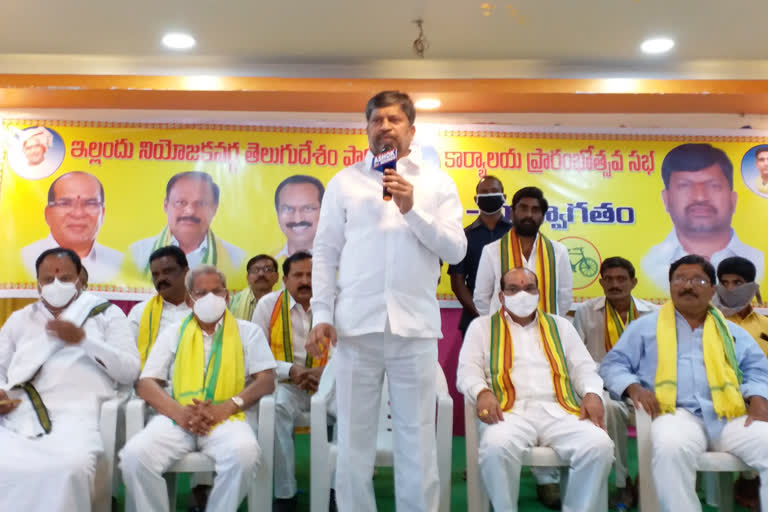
484	412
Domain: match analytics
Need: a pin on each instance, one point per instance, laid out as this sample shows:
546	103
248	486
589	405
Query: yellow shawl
148	327
614	325
281	337
243	303
545	266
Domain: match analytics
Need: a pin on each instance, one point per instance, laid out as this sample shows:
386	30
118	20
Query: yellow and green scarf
502	359
614	325
281	337
723	373
215	253
243	303
545	266
148	327
222	377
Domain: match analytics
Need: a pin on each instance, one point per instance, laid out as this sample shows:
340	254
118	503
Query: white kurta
536	418
488	280
232	445
56	471
102	263
141	250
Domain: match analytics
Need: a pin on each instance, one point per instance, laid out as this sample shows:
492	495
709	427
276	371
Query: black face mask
490	203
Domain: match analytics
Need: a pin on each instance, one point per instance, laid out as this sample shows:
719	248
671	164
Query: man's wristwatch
239	402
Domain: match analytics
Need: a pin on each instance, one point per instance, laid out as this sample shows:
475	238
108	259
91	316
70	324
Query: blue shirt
633	361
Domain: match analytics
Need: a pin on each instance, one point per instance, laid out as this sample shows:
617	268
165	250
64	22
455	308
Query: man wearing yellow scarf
216	367
600	322
702	378
286	317
534	381
261	276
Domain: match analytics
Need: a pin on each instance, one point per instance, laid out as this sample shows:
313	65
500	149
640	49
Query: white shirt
589	322
171	314
256	353
656	263
531	373
301	324
74	379
388	263
142	250
102	263
487	282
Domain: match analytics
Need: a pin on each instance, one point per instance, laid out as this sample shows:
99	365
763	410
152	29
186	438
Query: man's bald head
518	277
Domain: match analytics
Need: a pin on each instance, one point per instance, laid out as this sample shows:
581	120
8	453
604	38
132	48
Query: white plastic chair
105	464
323	451
477	500
260	492
721	463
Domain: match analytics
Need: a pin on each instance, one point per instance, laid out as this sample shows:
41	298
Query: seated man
60	358
521	366
703	379
600	322
168	266
261	276
204	410
286	316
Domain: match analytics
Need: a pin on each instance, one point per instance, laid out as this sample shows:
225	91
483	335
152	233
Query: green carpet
384	486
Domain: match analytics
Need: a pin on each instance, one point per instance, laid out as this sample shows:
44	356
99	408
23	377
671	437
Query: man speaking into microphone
375	268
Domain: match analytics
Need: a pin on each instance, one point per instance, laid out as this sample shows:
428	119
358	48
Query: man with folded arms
60	358
534	383
216	367
702	378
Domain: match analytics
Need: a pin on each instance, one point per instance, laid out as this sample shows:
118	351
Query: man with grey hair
204	406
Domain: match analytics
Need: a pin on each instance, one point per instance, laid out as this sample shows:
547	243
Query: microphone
386	159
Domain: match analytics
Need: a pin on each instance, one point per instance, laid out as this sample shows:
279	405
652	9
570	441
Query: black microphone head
387	147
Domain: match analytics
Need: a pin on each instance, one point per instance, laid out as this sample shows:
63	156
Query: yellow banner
606	193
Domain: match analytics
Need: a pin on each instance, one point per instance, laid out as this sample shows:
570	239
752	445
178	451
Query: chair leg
711	483
725	496
171	484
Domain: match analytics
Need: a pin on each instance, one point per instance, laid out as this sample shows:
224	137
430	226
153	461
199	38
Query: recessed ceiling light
427	104
657	45
178	41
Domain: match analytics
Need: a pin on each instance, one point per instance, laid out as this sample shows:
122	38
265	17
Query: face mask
522	303
57	293
209	308
490	204
733	301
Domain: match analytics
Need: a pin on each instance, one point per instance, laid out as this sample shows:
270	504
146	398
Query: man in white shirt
70	350
600	322
511	364
297	373
297	203
168	266
383	305
699	197
191	202
204	410
75	214
524	245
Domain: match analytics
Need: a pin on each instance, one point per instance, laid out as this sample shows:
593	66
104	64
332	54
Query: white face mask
521	304
58	294
209	308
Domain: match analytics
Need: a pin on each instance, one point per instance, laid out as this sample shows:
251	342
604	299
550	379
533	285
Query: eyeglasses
180	204
261	270
693	281
66	205
305	210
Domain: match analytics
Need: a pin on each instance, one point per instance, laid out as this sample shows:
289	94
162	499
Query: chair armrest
327	382
476	499
135	417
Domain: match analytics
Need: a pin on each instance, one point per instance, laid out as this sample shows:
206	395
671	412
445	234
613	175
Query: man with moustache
489	226
600	322
702	378
60	359
168	266
75	213
261	276
699	197
374	280
297	203
286	317
191	202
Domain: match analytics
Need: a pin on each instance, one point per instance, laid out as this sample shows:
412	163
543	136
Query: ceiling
344	38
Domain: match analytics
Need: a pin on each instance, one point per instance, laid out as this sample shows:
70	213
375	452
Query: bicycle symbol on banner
585	265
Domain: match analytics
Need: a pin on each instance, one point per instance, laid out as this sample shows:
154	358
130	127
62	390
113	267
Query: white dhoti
290	402
616	419
587	448
53	472
232	445
410	365
677	440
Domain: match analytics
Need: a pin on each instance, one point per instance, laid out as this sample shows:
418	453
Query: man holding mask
489	226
